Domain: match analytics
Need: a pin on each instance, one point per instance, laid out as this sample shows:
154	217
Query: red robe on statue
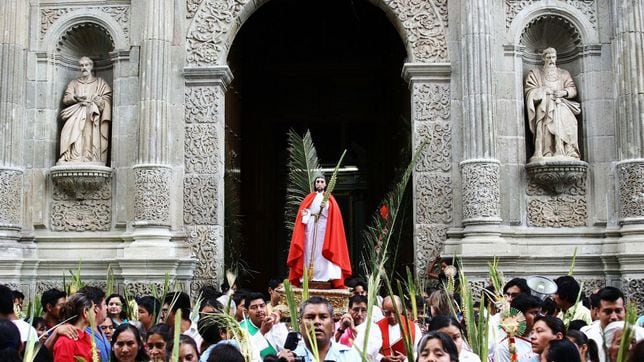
334	247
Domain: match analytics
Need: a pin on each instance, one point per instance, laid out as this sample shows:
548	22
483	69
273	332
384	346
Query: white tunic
323	269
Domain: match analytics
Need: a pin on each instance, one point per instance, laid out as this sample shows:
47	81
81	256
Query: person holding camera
317	329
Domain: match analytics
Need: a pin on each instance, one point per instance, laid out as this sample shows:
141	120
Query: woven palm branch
303	165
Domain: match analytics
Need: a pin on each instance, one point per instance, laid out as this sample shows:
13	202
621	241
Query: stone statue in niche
551	112
87	116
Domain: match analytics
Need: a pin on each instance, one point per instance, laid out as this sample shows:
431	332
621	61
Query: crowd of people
88	325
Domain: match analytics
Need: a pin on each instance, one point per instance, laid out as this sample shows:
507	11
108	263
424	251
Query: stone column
480	169
432	179
628	53
152	174
204	160
14	29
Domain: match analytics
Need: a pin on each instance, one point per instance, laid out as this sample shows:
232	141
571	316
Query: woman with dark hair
188	351
127	345
225	353
436	347
560	350
67	349
9	341
586	346
156	343
546	329
450	326
116	309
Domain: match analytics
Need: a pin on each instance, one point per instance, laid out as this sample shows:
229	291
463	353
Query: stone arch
79	18
567	13
422	27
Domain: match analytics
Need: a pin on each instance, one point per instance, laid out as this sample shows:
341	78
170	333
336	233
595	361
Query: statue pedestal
556	174
339	298
78	179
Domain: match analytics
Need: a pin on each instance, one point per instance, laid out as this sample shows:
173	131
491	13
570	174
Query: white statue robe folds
323	269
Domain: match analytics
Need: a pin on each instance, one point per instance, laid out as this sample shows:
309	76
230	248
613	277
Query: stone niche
82	191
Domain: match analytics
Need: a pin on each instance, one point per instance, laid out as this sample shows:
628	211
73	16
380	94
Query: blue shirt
102	344
337	352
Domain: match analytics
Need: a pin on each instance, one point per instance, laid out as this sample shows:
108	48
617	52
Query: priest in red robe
318	239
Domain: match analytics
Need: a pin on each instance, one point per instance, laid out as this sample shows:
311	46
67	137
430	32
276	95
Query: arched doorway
332	67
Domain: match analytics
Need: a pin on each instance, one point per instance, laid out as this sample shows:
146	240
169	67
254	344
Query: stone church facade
159	206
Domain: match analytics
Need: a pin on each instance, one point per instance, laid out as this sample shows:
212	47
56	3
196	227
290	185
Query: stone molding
630	180
422	24
56	20
522	12
152	195
586	7
11	192
481	194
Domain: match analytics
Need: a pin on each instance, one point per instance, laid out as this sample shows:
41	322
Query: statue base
556	174
339	298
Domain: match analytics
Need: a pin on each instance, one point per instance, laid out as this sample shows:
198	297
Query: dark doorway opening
333	67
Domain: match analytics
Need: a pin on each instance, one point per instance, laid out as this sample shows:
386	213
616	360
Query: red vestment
409	329
334	247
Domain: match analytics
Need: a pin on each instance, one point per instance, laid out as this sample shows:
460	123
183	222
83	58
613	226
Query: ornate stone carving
152	195
139	289
481	195
44	285
431	102
10	198
630	177
191	7
437	156
83	215
433	198
204	244
577	188
81	182
429	243
120	13
202	104
200	199
586	7
425	24
557	176
201	148
634	290
560	211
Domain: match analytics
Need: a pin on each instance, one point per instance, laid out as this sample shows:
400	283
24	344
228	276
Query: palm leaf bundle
176	338
377	236
477	328
109	283
627	336
233	329
303	165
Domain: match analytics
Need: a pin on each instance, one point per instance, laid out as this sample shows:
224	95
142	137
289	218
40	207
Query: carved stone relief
200	199
631	189
202	104
429	243
481	195
81	215
152	195
560	211
434	196
425	24
431	102
634	290
43	285
201	148
565	209
10	198
586	7
203	242
120	13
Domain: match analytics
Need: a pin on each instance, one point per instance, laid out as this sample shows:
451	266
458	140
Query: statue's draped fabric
85	134
552	119
330	254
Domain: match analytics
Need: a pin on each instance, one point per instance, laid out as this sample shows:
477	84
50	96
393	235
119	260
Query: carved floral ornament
119	14
423	24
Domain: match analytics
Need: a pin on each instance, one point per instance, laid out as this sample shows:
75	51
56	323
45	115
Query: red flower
384	211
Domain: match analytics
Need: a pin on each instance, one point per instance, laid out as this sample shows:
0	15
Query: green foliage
176	338
627	336
572	263
233	328
109	283
477	328
303	165
292	305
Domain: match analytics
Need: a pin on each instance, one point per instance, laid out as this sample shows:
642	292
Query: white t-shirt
26	330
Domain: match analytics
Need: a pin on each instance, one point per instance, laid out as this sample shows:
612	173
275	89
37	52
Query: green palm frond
303	165
629	326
